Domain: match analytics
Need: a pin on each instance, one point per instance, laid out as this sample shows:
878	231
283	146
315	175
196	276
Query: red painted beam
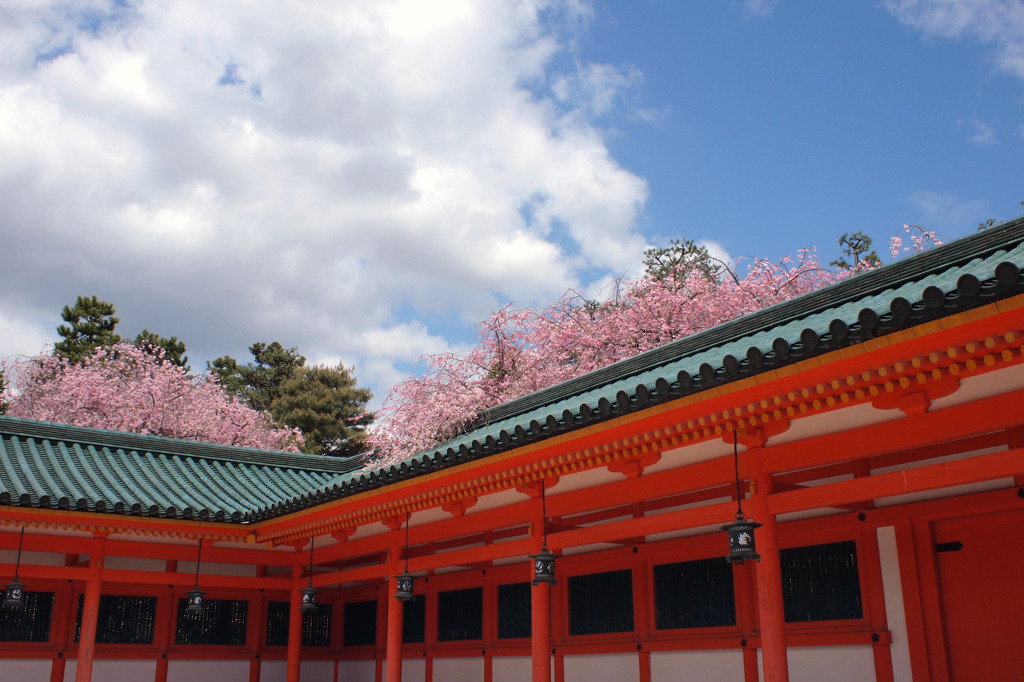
934	476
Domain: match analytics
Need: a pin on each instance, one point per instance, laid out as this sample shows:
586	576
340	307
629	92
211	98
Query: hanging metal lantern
544	567
195	597
741	541
195	600
403	590
14	594
308	598
308	602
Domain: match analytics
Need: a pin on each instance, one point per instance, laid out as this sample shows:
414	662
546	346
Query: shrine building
864	445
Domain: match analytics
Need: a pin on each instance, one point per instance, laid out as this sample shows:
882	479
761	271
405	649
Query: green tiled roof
969	272
69	467
51	465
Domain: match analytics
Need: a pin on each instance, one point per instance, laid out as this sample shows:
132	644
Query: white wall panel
512	668
273	671
316	671
27	669
832	663
413	670
713	665
201	671
602	668
356	671
895	613
127	670
459	669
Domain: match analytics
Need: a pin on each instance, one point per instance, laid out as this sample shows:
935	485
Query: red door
981	571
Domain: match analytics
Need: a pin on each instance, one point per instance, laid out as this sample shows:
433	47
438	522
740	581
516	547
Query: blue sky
790	129
364	181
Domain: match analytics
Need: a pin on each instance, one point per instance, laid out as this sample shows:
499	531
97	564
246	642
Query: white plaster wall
713	665
512	668
32	558
134	564
413	670
200	671
112	670
459	669
28	669
602	668
273	671
189	568
832	663
895	613
356	671
316	671
124	670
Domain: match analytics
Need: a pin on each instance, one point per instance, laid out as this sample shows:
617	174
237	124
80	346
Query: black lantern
403	588
544	567
195	600
741	540
309	592
741	531
195	596
544	561
14	592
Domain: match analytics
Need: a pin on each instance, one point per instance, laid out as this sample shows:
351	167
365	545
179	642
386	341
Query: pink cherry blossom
124	388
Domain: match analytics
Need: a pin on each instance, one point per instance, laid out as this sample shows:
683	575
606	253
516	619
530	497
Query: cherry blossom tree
127	388
521	350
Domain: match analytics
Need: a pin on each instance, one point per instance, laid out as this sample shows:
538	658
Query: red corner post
295	628
771	613
90	611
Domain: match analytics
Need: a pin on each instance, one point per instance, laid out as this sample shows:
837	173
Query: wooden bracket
393	522
634	462
917	399
458	507
343	534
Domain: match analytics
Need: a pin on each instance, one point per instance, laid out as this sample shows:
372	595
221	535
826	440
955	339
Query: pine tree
90	325
173	350
327	406
324	403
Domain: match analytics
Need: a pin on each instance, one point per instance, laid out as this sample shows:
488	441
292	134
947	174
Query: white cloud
321	175
759	8
999	23
980	133
947	211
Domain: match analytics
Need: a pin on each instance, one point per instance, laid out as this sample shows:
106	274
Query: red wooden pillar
540	600
395	615
64	602
771	613
295	628
540	644
90	611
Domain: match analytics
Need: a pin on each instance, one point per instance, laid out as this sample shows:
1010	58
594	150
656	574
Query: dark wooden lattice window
414	620
514	611
460	614
122	619
821	582
360	623
694	594
222	622
29	623
316	625
601	602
